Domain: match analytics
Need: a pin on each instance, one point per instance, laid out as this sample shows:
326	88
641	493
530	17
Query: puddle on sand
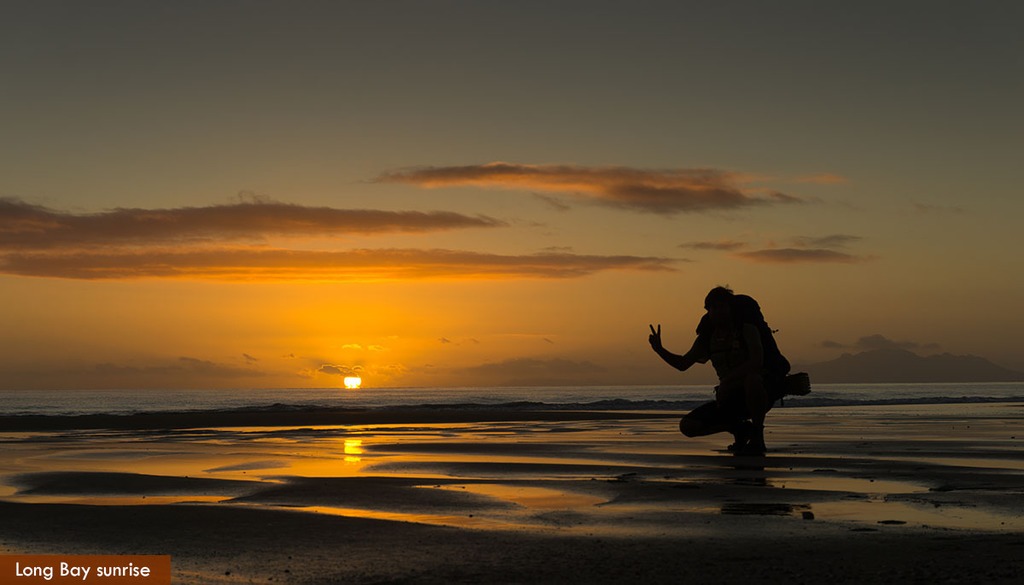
876	512
531	503
857	485
120	500
534	498
460	521
763	509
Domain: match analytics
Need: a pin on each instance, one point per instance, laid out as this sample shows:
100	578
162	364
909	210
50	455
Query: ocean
78	402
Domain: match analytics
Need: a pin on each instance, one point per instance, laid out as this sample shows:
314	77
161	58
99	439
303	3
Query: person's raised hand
655	337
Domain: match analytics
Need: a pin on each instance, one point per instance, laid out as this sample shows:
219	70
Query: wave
672	405
611	405
178	408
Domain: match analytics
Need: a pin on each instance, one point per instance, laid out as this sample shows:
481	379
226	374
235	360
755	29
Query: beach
849	494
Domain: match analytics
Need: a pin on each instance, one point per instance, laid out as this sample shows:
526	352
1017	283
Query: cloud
726	245
339	370
459	341
387	371
808	249
556	203
378	373
832	241
803	249
656	191
798	255
262	264
180	372
32	227
183	364
226	243
924	208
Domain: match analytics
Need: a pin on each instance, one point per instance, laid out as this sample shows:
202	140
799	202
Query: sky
234	194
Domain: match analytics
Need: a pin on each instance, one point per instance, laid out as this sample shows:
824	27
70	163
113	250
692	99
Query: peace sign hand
655	337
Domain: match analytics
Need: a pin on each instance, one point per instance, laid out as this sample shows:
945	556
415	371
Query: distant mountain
899	365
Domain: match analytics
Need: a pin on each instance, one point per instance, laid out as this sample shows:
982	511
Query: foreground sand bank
847	494
231	545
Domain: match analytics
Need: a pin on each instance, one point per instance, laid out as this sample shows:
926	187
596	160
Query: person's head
717	303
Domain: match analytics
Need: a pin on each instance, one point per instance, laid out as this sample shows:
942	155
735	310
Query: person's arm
755	355
679	362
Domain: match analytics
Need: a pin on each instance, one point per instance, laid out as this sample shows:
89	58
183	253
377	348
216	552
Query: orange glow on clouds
655	191
231	243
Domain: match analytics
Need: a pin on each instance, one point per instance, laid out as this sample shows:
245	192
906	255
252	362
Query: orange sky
477	194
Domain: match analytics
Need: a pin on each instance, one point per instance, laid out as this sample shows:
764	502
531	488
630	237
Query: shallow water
870	467
79	402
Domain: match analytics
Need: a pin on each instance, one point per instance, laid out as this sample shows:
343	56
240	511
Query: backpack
746	310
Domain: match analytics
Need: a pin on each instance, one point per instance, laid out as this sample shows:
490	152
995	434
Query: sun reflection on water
353	450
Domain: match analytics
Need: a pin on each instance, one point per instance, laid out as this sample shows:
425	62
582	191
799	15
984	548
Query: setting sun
353	382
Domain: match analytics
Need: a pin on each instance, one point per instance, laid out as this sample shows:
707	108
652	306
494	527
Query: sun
353	382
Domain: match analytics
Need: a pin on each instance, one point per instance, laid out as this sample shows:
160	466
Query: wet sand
871	494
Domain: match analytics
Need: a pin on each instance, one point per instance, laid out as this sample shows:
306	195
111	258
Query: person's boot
755	443
742	432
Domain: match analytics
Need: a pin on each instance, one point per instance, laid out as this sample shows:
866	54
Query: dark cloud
808	249
181	372
726	245
655	191
804	249
780	197
797	255
831	241
339	370
555	202
31	227
182	365
279	265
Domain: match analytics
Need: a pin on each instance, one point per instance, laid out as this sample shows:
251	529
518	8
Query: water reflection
532	497
763	508
353	450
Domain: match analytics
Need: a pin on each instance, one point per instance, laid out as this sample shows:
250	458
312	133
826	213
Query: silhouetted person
735	337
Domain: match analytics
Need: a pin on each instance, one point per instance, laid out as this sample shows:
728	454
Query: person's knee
692	427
